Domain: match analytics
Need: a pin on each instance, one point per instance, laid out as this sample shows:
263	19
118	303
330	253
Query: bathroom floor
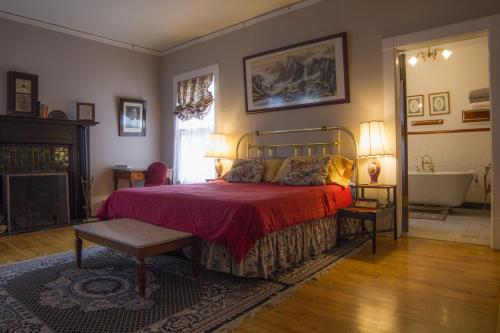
462	225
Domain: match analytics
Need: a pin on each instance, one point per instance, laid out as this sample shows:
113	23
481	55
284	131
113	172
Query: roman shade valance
193	97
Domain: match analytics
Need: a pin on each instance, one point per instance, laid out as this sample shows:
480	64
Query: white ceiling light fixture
430	54
446	54
413	61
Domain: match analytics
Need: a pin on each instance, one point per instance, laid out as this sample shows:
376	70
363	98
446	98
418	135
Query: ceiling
155	25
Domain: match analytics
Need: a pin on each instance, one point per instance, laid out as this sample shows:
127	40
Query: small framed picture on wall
85	111
439	103
132	117
415	106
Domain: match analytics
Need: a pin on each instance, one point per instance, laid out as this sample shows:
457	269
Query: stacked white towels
479	106
479	95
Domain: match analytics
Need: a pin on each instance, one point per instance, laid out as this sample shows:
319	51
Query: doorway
445	136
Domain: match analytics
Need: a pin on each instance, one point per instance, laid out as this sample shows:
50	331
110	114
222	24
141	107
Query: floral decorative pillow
307	172
246	171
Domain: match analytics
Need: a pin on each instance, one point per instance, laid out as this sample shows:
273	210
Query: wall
465	70
367	23
73	69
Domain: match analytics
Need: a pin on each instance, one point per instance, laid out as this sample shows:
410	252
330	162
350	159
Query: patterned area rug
428	215
50	295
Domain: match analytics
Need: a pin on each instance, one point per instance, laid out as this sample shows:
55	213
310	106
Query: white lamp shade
217	146
373	142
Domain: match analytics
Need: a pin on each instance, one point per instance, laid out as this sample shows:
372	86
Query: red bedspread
234	215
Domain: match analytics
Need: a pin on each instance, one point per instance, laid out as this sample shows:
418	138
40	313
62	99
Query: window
192	136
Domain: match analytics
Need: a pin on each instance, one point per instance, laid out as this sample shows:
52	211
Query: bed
248	229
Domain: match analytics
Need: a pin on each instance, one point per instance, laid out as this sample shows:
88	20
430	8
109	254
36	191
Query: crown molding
76	32
241	25
139	48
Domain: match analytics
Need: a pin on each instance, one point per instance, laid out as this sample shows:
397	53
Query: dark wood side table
130	175
135	175
372	214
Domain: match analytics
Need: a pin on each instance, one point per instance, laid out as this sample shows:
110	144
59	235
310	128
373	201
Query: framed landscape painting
301	75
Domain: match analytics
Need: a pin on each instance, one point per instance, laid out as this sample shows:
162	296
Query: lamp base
218	167
374	170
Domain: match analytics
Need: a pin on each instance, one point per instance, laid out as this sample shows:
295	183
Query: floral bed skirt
279	250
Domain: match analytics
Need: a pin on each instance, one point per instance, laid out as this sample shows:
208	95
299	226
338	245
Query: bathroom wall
465	70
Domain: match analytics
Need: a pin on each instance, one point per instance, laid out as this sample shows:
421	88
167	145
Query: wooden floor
412	285
36	244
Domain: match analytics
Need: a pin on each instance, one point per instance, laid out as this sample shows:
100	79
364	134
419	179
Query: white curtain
191	139
192	166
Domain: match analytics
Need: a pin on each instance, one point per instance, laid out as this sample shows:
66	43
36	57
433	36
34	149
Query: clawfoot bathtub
439	188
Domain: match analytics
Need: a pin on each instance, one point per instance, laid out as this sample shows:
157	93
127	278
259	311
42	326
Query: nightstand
373	214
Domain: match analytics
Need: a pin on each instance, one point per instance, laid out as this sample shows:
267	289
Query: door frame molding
394	110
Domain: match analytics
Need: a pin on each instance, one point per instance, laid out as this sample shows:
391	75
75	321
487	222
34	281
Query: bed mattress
234	215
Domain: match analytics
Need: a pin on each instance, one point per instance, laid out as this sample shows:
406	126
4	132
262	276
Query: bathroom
449	143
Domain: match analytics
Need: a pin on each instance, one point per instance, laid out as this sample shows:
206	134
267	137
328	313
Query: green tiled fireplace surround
34	158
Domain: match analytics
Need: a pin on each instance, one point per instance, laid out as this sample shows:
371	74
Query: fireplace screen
37	200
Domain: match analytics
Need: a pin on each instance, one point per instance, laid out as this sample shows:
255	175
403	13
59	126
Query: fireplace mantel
4	118
19	131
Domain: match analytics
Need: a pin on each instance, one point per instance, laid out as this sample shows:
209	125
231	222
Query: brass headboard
331	147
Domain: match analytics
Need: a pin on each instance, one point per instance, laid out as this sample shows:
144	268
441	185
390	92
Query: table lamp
217	148
373	144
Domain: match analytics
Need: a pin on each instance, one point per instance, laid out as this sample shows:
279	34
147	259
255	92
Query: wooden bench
138	239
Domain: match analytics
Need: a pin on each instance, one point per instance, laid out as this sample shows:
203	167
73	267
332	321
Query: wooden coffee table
138	239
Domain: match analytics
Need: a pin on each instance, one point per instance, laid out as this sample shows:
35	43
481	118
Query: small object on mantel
3	228
58	114
43	111
85	111
427	122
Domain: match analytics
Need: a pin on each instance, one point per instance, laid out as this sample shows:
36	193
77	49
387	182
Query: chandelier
430	54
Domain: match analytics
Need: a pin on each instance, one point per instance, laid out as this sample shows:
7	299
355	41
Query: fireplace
36	200
42	164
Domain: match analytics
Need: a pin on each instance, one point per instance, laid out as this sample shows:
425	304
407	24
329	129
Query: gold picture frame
415	106
439	103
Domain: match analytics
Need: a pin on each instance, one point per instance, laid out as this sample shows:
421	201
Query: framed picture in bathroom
415	105
439	103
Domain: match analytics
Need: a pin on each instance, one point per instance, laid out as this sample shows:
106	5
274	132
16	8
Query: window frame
212	69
